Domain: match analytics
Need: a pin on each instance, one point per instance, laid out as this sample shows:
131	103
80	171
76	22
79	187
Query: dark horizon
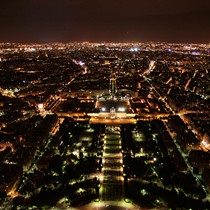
98	21
102	42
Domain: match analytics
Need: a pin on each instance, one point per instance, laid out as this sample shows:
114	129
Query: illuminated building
113	106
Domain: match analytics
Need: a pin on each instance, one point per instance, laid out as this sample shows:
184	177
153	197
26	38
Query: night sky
44	21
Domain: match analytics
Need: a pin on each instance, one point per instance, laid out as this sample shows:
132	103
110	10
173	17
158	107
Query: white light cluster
40	106
121	109
134	49
103	109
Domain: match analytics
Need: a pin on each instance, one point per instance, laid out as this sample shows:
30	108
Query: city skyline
115	126
98	21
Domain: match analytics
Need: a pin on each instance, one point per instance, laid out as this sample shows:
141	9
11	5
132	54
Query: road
112	121
39	156
184	156
190	126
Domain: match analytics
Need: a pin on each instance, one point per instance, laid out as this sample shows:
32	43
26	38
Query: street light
103	109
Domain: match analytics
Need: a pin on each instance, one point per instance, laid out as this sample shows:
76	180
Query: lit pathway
112	172
112	181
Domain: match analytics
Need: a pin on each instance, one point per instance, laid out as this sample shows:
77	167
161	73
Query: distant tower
112	85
